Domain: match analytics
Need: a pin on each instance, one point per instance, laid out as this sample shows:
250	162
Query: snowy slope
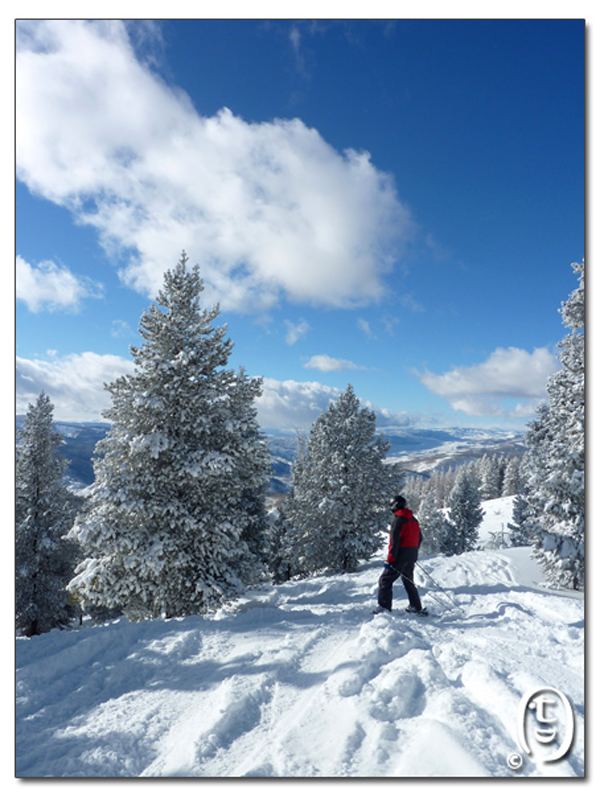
497	515
300	680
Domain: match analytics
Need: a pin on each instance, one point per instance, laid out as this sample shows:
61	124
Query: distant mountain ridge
419	450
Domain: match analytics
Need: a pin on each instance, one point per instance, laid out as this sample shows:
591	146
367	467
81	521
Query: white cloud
51	287
75	384
327	363
266	209
296	331
296	41
392	420
410	303
507	374
365	327
292	405
121	329
389	323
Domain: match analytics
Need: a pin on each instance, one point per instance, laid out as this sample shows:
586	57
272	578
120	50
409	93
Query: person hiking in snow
405	539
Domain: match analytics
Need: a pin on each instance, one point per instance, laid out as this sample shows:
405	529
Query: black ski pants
404	567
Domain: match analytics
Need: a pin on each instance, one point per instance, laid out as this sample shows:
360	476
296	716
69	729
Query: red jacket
404	534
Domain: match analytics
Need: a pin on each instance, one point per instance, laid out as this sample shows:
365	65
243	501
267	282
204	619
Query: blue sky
390	203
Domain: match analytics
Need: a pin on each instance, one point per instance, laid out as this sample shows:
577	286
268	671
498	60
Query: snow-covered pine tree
533	467
437	483
413	490
432	522
489	470
253	469
496	475
556	456
519	529
341	489
174	521
279	556
283	552
465	515
444	482
44	512
511	482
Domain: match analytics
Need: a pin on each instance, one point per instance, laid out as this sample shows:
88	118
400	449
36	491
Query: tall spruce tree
44	512
465	517
511	482
279	555
284	556
341	489
519	529
491	477
555	461
433	523
175	519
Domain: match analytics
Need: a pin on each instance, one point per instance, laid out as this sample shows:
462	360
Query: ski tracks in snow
299	680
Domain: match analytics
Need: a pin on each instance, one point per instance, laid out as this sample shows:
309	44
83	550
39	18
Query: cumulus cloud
507	374
48	286
267	209
327	363
292	405
75	384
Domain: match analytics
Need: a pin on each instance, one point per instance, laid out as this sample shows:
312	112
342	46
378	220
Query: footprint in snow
371	653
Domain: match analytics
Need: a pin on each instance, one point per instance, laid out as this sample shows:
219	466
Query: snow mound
300	680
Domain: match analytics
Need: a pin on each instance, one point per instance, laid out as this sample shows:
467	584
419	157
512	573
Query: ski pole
456	604
437	598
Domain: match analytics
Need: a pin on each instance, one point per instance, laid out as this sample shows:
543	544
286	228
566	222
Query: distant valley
419	450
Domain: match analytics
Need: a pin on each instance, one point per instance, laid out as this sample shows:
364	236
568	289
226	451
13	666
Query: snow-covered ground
300	680
497	515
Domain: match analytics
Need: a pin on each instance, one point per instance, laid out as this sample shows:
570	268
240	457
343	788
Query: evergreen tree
433	523
442	483
533	469
503	461
253	472
489	477
279	553
519	529
465	516
43	514
341	489
413	491
284	553
511	483
556	457
447	483
175	519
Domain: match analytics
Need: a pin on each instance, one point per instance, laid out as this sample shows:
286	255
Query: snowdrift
300	680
